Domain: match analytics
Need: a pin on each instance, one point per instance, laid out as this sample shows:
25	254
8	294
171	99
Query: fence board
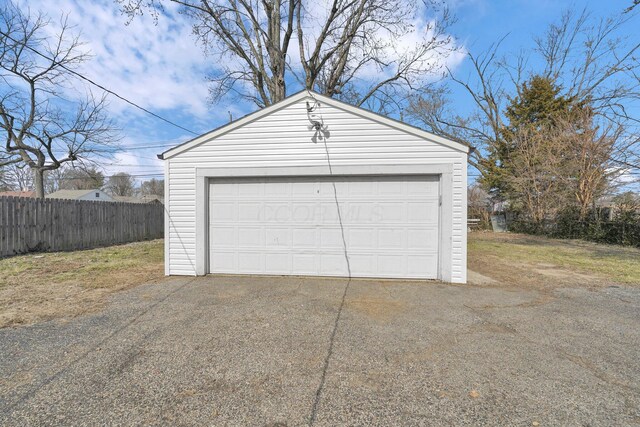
29	225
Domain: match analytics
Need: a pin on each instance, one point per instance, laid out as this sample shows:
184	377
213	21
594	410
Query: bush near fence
624	229
33	225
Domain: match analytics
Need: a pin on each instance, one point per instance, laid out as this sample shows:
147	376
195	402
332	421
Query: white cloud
156	66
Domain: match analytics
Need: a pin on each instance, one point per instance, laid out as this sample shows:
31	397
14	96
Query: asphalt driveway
276	351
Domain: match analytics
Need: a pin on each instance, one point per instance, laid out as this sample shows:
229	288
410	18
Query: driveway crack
325	368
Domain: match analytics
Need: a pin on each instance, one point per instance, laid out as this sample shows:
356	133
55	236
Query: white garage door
302	226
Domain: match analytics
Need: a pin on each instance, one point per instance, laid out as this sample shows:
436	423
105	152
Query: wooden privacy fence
30	225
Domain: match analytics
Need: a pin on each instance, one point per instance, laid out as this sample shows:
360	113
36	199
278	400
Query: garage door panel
224	211
277	238
422	239
251	190
278	261
360	238
329	212
391	265
292	226
305	237
306	212
225	235
392	212
391	187
358	212
331	239
223	191
330	264
362	265
250	212
276	211
250	237
360	189
251	261
419	265
426	188
391	238
305	189
422	212
304	264
277	190
223	261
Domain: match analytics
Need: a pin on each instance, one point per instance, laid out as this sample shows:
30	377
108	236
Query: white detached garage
313	186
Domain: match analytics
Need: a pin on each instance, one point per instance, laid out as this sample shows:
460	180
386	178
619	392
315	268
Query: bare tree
598	61
121	184
19	177
152	187
54	180
563	164
482	128
5	184
589	163
352	49
627	203
479	204
81	178
595	60
38	126
536	183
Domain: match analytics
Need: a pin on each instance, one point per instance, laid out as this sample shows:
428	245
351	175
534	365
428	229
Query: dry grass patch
44	286
542	262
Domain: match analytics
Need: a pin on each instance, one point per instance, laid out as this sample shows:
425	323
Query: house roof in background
70	194
18	193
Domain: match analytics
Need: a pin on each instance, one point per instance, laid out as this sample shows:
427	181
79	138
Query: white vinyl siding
281	139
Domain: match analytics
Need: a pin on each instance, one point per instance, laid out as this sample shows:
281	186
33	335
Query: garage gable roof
396	124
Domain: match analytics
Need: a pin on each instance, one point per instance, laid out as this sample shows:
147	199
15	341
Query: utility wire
145	147
131	164
97	84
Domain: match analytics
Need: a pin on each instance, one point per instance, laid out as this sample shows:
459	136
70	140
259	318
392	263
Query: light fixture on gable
316	122
315	119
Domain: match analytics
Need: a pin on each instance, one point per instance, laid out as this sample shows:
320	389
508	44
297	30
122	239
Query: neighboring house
95	195
139	199
29	194
314	186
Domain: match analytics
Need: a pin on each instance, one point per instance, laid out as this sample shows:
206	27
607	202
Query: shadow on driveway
253	351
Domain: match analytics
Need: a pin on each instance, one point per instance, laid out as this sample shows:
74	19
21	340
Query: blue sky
161	68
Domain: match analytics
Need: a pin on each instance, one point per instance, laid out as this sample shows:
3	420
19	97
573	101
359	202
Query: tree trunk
38	183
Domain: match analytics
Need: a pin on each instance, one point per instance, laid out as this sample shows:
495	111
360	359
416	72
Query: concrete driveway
276	351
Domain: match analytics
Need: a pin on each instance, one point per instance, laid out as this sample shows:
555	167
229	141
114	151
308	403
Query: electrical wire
97	84
143	147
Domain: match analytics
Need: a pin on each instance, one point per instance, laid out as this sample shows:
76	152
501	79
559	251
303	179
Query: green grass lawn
510	255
